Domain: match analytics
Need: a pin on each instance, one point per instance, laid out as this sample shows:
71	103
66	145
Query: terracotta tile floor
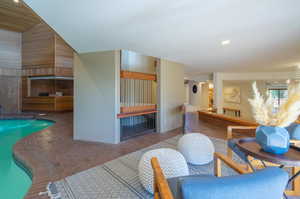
52	154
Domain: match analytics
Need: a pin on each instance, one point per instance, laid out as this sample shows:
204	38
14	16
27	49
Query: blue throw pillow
294	131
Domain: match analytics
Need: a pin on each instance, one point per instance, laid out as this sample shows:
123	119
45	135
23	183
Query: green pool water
14	181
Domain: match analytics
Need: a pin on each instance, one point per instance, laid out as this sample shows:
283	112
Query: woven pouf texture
171	162
197	148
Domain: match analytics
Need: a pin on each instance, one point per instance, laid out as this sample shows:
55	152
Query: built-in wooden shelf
123	115
137	75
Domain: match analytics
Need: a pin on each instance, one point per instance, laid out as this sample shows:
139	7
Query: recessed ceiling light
16	1
225	42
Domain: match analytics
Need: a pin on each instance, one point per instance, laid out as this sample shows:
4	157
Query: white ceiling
264	34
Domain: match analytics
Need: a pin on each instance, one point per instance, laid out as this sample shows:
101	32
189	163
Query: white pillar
218	92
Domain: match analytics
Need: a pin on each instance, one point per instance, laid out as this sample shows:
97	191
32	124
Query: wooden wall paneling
64	72
32	72
24	91
38	104
64	103
38	47
64	86
63	53
17	16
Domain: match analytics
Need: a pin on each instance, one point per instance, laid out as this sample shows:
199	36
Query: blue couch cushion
294	131
175	183
268	183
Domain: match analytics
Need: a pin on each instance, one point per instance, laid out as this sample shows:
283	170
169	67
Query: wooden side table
290	159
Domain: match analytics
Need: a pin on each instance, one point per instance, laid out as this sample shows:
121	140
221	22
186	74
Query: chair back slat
161	187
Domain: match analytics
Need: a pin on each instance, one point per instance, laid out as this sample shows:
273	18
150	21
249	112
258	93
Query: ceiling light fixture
225	42
16	1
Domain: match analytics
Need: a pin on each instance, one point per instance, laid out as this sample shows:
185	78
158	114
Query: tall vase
273	139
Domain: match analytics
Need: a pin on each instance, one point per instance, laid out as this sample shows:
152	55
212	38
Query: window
279	96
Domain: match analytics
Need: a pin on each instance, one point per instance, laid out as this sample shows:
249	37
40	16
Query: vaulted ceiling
264	35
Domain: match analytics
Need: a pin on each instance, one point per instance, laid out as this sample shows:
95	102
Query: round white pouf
196	148
171	162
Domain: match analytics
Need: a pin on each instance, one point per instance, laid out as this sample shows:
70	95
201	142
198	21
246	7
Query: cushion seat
175	183
248	186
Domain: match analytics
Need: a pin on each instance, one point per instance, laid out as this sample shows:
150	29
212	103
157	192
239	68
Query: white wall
204	101
194	98
246	93
137	62
218	79
187	93
171	95
96	96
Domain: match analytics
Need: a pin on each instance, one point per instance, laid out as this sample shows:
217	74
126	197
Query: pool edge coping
18	160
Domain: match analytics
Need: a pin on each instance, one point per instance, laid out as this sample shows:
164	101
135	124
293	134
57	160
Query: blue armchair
263	184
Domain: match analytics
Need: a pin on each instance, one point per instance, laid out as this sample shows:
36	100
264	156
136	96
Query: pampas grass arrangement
263	108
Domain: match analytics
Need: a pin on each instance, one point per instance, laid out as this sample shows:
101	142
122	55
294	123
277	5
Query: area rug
119	178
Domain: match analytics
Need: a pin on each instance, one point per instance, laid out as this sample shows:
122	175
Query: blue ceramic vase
273	139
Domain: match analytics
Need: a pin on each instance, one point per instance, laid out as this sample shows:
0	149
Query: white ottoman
196	148
171	162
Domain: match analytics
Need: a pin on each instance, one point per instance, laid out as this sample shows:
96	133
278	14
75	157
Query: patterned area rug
119	178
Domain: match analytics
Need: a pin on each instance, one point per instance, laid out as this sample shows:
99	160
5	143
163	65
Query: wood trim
137	75
295	183
122	115
161	187
217	166
137	109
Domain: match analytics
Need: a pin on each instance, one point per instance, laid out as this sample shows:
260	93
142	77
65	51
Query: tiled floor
53	154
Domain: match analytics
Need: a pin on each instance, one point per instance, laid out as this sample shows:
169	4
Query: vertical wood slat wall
137	96
135	92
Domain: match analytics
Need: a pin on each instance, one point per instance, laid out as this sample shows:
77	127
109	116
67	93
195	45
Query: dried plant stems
287	114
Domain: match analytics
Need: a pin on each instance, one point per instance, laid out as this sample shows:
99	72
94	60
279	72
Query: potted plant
272	135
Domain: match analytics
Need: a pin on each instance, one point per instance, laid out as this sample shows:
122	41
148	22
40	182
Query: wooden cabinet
55	103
